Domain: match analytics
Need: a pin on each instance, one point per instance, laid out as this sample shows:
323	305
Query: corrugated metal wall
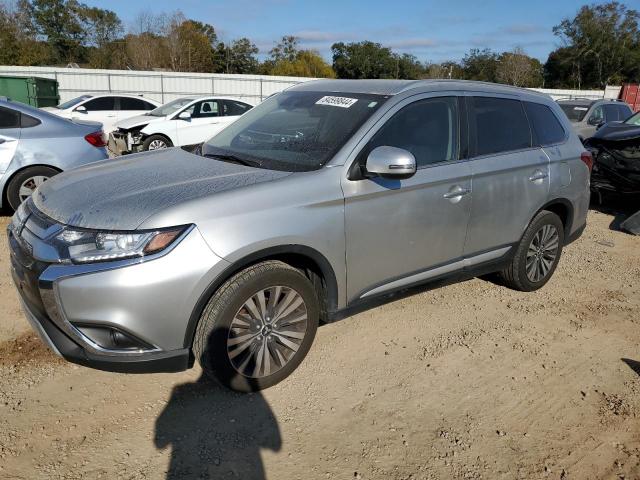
160	86
166	86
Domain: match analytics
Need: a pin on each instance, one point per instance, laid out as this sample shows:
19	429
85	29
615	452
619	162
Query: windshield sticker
581	108
342	102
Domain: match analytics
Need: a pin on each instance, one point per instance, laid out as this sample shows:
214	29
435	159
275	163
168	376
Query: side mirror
390	162
184	115
595	121
81	109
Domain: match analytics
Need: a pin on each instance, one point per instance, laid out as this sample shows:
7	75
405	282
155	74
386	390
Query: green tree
307	63
363	60
601	46
237	57
480	64
286	49
104	29
61	23
518	69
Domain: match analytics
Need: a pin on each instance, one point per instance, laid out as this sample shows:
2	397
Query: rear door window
100	104
547	129
500	125
9	118
127	103
233	108
614	112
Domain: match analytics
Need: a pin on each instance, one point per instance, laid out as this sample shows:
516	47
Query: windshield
294	131
72	102
633	119
574	111
169	108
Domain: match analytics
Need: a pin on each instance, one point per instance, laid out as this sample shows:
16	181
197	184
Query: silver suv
587	115
322	199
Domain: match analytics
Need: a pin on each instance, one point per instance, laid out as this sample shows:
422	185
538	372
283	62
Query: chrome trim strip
435	272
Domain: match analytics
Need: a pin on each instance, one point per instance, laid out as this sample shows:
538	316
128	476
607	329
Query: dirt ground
467	381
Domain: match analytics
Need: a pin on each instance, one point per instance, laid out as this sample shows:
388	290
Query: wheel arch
4	201
314	264
564	209
160	134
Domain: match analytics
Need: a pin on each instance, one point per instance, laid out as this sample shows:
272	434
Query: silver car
587	116
36	145
325	198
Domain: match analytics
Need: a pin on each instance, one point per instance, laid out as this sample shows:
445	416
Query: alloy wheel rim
157	144
29	186
267	331
542	253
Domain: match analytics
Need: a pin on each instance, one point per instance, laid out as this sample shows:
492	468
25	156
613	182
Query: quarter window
9	118
427	128
546	127
500	125
100	104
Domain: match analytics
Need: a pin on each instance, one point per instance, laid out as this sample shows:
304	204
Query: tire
151	142
545	237
230	340
29	178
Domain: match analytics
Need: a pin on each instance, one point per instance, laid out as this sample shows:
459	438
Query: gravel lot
467	381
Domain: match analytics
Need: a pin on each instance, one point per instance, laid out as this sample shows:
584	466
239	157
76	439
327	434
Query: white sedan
105	109
182	122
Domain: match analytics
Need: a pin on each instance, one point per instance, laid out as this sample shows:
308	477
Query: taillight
96	139
587	158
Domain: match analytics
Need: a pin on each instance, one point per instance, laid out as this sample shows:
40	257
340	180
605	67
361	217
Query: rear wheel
156	142
24	183
537	255
258	327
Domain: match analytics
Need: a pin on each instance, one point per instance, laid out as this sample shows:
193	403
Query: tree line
599	46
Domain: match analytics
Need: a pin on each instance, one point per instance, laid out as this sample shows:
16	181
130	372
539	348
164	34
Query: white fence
167	86
160	86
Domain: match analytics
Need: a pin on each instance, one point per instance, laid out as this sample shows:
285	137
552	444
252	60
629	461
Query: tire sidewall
215	359
152	138
548	218
13	188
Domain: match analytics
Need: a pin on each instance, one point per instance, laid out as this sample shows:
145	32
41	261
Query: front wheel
537	255
258	327
156	142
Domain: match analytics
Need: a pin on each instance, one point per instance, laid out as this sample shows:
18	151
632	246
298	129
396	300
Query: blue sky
431	30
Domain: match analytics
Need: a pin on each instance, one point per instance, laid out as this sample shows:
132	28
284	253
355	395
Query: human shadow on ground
215	433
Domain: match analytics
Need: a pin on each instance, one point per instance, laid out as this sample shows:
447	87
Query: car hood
616	131
136	121
121	194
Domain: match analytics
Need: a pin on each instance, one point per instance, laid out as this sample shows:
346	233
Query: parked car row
36	144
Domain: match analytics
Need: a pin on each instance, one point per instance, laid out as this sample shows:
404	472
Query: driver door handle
457	192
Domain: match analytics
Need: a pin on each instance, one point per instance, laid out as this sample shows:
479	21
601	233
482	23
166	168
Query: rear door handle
538	175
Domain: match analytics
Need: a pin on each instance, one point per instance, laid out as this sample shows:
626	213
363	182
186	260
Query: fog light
111	338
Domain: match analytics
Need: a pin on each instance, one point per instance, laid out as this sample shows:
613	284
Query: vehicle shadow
632	364
619	208
215	433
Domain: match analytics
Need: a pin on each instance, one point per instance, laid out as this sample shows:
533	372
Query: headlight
87	246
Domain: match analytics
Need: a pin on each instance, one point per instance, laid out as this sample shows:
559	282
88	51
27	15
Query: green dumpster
36	91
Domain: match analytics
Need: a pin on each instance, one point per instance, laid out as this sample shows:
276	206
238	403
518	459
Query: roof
394	87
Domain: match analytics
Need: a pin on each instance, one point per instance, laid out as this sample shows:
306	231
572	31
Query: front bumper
122	143
150	301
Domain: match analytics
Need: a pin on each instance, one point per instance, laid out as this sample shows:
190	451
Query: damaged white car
182	122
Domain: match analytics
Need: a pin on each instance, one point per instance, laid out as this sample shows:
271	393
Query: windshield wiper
232	159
